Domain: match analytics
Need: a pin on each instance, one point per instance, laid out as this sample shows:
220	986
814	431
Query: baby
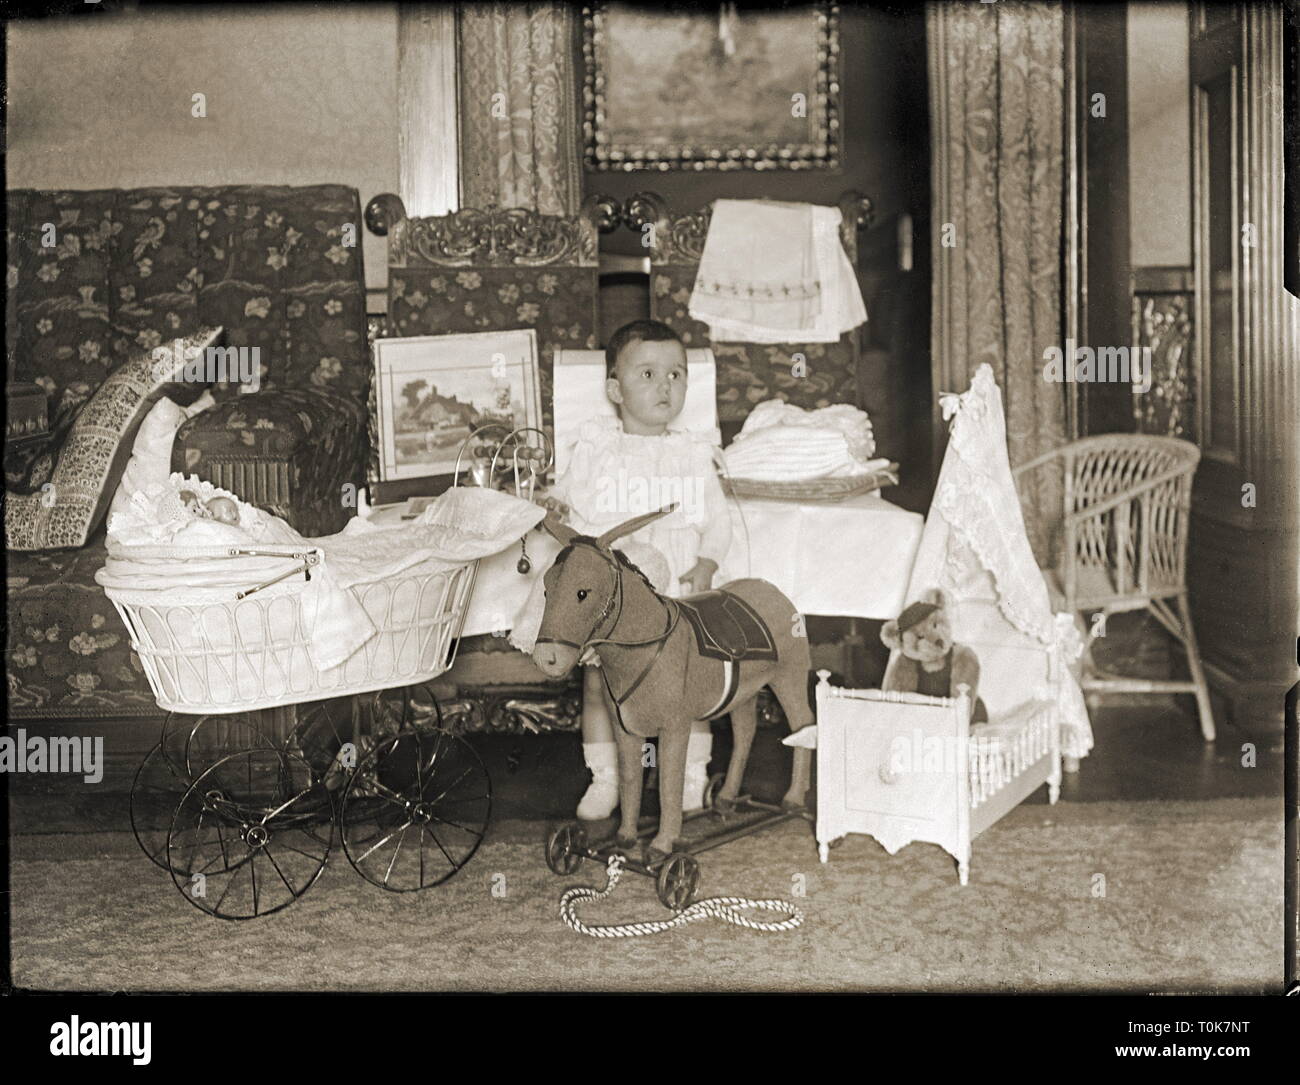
618	469
221	509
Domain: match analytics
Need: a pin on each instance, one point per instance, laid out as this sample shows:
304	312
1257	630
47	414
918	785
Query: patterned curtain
518	107
997	107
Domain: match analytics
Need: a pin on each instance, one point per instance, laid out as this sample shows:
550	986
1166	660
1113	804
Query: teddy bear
929	661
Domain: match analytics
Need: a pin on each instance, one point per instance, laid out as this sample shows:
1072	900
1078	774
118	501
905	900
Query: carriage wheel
205	740
677	881
565	849
156	791
250	836
416	810
420	708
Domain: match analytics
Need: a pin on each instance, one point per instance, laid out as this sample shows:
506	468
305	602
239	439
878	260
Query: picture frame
432	391
708	89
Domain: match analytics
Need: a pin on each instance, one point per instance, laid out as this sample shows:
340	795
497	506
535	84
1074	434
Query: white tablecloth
848	559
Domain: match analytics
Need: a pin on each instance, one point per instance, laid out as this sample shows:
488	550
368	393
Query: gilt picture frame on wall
721	87
432	391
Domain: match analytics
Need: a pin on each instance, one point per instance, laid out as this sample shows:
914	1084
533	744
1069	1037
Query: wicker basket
204	651
821	489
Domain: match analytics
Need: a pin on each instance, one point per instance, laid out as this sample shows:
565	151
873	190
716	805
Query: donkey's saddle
726	627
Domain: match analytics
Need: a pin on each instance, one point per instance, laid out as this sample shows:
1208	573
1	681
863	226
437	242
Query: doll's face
224	511
649	385
929	640
191	502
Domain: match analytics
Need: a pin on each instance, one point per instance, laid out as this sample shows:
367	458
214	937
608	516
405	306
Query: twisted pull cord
727	909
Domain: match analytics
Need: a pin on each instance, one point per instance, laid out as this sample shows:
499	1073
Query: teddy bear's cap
915	614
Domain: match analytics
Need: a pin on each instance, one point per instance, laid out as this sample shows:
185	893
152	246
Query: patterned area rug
1192	902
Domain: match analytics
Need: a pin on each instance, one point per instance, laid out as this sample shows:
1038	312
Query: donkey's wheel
678	879
156	791
565	849
712	788
416	810
250	836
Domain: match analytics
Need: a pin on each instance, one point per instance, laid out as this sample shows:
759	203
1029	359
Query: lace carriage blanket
975	538
157	543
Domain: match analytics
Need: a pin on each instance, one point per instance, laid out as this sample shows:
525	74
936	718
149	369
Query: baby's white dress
613	476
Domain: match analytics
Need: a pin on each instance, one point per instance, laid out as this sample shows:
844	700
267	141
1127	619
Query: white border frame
433	354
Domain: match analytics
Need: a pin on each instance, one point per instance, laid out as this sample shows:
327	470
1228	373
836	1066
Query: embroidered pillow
71	506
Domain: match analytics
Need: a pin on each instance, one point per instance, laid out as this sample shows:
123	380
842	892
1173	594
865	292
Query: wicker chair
1123	545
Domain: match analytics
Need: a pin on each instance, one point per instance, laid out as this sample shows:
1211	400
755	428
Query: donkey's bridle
614	605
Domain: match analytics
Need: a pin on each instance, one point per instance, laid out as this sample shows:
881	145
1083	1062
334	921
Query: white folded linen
780	442
775	272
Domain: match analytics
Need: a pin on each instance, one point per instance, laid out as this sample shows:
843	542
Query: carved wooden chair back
748	373
491	269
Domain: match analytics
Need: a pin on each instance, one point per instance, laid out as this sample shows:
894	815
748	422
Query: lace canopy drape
518	107
997	91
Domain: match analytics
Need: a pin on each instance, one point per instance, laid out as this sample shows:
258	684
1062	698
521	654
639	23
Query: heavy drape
518	107
997	108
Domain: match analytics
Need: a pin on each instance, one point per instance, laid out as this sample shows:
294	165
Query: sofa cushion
67	652
92	274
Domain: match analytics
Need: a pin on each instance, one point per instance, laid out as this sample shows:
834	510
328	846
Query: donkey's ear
557	528
634	524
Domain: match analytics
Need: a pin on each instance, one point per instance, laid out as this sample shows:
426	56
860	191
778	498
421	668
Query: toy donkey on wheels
663	672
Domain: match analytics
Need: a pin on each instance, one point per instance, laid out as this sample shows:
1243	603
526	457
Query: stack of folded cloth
774	272
784	443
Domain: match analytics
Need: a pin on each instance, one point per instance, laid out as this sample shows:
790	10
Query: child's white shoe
601	798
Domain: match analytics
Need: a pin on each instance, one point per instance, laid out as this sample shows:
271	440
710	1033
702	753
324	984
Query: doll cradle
904	767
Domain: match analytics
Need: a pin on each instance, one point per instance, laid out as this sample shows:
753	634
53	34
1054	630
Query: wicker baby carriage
265	760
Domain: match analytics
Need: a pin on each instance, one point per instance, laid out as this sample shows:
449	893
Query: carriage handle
309	559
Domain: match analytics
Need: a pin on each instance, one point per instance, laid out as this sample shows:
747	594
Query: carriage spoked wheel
416	810
419	707
197	742
678	879
156	791
187	747
247	839
566	848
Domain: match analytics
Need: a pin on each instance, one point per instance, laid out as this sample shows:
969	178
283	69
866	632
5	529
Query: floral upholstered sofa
95	281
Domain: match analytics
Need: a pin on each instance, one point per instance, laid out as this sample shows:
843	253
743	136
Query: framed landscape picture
717	87
433	391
